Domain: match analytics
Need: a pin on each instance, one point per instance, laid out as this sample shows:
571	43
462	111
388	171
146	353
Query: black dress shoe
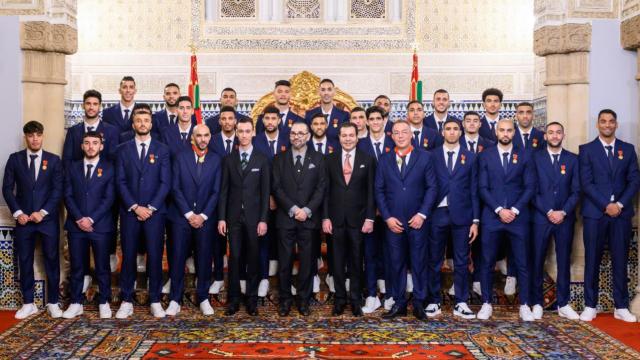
231	309
252	309
284	309
338	309
304	309
418	312
356	310
395	311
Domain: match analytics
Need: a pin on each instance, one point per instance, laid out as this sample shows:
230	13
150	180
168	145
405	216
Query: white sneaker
624	315
206	308
72	311
105	311
448	263
125	310
409	283
462	310
141	263
537	311
568	312
316	284
25	311
173	309
510	285
452	290
502	266
273	267
485	312
54	310
225	262
588	314
320	263
526	314
293	290
388	303
113	262
347	284
263	288
477	288
216	287
157	311
433	310
371	304
382	286
329	281
243	286
166	288
294	270
86	283
191	265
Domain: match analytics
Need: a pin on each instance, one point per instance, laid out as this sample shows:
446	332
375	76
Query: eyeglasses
405	132
298	134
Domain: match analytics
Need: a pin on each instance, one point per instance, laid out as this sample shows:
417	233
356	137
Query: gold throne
304	96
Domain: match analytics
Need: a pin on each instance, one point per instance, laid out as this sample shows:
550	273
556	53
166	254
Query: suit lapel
191	166
616	157
338	169
412	161
458	163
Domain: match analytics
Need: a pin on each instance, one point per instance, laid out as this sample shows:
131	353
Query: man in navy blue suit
492	102
169	115
89	193
228	98
456	216
554	215
32	188
271	141
610	179
358	117
120	114
384	102
282	95
406	190
441	104
527	136
423	137
178	135
192	212
143	180
507	184
332	115
471	139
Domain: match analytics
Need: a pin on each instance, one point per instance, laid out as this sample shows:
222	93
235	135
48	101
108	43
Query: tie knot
126	111
472	142
281	115
228	141
450	153
33	156
609	147
416	133
378	143
556	156
298	157
89	166
347	156
244	156
143	145
90	128
505	154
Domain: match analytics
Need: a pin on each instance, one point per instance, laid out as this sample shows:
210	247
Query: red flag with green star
194	89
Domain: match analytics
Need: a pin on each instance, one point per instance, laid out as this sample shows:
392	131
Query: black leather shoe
252	309
395	311
338	309
304	309
231	309
418	312
284	309
356	310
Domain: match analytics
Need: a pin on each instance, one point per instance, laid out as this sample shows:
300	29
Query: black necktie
378	151
272	146
472	146
172	119
505	161
184	136
143	153
556	162
319	145
88	175
90	128
439	126
298	166
32	166
227	149
126	116
244	161
493	126
403	165
610	155
526	139
450	161
416	137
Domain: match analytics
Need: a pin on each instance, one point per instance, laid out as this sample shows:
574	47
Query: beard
504	141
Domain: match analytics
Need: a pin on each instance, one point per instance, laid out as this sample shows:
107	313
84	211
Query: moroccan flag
194	89
416	83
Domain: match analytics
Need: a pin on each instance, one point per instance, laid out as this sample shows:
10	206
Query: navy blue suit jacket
160	121
480	146
485	130
218	146
45	193
193	193
599	183
113	116
261	144
329	147
285	124
336	118
72	150
93	198
403	198
430	122
558	189
214	122
514	189
368	147
536	139
460	187
388	127
173	139
429	139
147	182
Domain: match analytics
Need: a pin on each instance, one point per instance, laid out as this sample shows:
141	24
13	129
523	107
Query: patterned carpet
319	336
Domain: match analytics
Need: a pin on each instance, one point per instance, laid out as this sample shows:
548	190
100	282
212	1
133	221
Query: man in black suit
349	211
243	209
299	182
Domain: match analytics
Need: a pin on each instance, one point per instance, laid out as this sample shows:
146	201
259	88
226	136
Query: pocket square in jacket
361	166
311	166
255	169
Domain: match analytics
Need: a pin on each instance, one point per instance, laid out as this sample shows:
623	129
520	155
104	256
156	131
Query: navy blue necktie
610	155
184	136
319	145
472	146
143	153
403	165
272	146
556	162
32	166
227	149
126	116
440	126
416	137
505	161
172	119
88	175
450	161
526	140
378	150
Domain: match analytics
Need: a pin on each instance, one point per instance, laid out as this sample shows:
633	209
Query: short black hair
228	89
127	78
92	94
184	98
140	108
345	125
608	111
524	103
93	134
357	108
381	97
172	85
492	91
554	123
227	108
415	102
33	127
271	110
471	113
375	109
327	81
451	120
282	83
245	121
318	115
440	91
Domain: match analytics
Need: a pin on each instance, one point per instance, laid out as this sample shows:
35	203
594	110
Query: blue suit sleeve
430	195
72	208
210	208
483	184
9	183
530	186
587	182
55	197
380	192
574	197
633	181
121	181
165	179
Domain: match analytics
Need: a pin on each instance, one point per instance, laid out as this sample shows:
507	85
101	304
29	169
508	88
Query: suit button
403	189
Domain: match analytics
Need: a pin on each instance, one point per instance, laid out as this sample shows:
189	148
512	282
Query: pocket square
255	169
361	166
311	166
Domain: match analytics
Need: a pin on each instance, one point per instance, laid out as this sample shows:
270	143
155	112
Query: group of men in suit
392	199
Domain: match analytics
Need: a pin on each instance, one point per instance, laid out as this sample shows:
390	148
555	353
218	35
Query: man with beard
120	114
169	115
491	101
89	193
143	180
282	94
195	193
610	180
358	117
299	182
32	188
441	104
424	137
383	102
331	114
554	215
228	98
527	137
507	184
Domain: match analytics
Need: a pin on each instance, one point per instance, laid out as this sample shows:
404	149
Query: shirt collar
93	161
323	141
352	153
248	151
188	129
95	126
523	131
500	150
130	108
438	119
455	150
224	138
476	139
39	153
374	141
551	153
604	144
147	142
492	120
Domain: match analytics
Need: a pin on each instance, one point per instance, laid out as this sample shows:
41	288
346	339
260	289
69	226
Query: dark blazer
557	189
308	192
599	183
516	188
93	198
331	145
369	147
245	191
217	145
160	121
285	124
400	197
113	116
336	118
144	183
430	122
429	139
173	139
214	122
485	130
388	127
350	204
460	187
192	193
536	139
45	193
72	150
481	145
261	144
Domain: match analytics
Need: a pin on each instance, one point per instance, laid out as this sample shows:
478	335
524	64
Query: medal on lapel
152	159
99	172
425	142
480	148
335	123
200	159
620	155
290	122
330	149
515	158
534	142
462	159
283	148
44	164
387	149
563	169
